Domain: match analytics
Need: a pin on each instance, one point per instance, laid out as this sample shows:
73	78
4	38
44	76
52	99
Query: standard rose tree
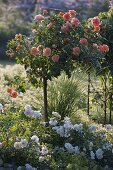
57	43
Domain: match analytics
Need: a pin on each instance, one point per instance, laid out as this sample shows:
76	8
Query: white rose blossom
56	114
0	145
32	113
24	143
60	131
78	127
99	153
28	167
108	127
41	158
92	155
53	122
69	147
28	111
44	150
90	145
35	138
17	145
92	128
1	107
76	149
37	114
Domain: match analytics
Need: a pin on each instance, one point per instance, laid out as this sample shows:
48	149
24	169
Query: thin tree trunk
110	109
111	103
105	99
88	99
45	99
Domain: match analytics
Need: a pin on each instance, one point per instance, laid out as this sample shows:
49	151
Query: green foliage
73	162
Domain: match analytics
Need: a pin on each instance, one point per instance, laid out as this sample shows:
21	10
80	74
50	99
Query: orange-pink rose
61	14
83	41
97	28
39	18
95	45
75	22
96	21
72	13
64	28
67	16
45	12
55	58
68	25
46	52
34	51
103	48
76	51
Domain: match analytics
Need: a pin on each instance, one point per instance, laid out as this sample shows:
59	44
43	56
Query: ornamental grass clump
63	95
57	42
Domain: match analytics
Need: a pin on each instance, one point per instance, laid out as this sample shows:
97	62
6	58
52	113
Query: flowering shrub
30	142
58	42
45	56
102	25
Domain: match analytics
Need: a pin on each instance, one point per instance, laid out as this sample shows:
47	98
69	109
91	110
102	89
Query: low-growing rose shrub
26	139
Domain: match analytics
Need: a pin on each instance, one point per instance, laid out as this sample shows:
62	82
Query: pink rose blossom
104	48
39	18
76	51
46	52
68	25
67	16
34	51
65	28
83	41
75	22
96	21
72	13
95	46
45	12
55	58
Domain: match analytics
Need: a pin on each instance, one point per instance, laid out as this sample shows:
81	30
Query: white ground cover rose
17	145
76	149
78	127
53	122
24	143
32	113
41	158
56	114
92	155
108	127
0	145
44	150
92	128
28	111
69	147
1	107
37	114
99	153
35	138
